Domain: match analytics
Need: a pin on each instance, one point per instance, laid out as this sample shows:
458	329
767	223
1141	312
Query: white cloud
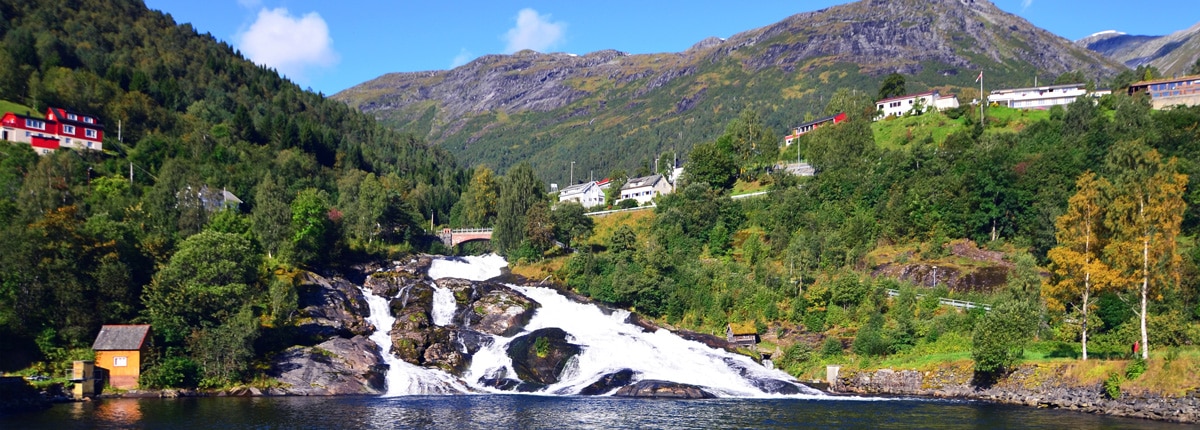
1025	4
291	45
463	57
534	31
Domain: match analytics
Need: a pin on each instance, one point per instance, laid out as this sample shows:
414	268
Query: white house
587	194
1042	97
644	189
902	105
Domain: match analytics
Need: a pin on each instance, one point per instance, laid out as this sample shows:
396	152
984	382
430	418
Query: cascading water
404	378
443	306
610	344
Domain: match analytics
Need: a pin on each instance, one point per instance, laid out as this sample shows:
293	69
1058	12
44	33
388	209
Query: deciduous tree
1079	272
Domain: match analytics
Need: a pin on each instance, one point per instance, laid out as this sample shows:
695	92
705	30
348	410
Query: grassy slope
7	106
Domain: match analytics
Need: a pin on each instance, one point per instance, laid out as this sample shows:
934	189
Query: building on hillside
743	335
645	188
798	169
801	129
587	194
119	351
69	129
604	183
1042	97
1170	92
902	105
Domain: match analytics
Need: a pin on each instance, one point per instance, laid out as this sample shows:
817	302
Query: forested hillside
137	234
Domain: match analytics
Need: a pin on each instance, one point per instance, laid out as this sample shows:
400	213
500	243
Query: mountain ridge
547	108
1172	54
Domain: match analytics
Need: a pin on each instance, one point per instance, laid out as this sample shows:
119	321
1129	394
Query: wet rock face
501	312
609	382
656	389
338	366
541	355
330	307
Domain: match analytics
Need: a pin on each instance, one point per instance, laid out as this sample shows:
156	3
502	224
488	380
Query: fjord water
549	412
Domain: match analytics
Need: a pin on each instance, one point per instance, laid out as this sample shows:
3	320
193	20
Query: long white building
902	105
1042	97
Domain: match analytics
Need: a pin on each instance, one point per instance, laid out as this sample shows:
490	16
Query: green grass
898	132
7	106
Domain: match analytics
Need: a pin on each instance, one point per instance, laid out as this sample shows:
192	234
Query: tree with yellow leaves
1144	214
1079	272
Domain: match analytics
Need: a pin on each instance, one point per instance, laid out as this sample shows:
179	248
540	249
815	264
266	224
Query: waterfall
443	306
609	344
402	377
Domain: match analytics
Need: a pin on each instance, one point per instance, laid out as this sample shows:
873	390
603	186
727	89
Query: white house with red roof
60	129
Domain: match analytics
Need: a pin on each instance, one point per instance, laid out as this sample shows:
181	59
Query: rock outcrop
335	367
609	382
17	396
330	307
541	355
656	389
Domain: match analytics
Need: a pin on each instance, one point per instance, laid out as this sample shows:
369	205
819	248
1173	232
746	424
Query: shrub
1135	369
1112	386
815	321
869	340
174	372
832	347
1000	336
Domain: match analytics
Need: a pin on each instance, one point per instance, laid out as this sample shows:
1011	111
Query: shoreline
1017	389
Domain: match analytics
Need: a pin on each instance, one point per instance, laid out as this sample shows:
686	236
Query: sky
329	46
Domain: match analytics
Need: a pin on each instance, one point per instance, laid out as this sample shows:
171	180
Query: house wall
123	377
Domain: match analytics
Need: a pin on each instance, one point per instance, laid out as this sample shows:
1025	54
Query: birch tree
1079	272
1144	214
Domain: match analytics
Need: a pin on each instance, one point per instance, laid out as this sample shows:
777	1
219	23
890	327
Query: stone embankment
1031	385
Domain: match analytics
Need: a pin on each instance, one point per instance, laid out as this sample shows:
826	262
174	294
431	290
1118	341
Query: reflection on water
551	412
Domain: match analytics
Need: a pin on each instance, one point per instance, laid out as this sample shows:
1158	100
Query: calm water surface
537	412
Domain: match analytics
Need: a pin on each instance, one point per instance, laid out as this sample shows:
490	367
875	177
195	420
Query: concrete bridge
459	235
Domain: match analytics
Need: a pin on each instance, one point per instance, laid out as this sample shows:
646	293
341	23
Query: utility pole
572	181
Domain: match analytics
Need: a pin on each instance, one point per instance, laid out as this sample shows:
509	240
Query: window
120	361
89	120
72	117
33	123
89	133
68	129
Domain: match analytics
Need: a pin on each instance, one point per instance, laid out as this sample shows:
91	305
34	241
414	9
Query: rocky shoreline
1028	386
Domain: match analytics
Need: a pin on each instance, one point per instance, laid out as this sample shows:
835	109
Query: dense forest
139	233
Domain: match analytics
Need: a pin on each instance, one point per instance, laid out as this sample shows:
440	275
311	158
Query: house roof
576	189
1041	88
60	115
744	328
1165	80
821	120
906	97
644	181
121	337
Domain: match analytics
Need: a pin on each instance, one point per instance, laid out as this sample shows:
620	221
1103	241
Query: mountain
1173	54
610	109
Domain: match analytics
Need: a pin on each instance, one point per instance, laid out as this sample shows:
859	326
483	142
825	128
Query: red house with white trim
60	129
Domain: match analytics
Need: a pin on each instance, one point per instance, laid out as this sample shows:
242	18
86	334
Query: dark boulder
776	386
335	367
495	309
330	307
541	355
655	389
609	382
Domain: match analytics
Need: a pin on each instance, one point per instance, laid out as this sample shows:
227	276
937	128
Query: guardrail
961	304
471	230
613	211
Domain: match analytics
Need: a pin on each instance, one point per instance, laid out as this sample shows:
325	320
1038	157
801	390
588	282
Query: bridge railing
961	304
471	230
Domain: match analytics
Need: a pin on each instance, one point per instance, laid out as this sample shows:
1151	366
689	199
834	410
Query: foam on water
475	268
404	378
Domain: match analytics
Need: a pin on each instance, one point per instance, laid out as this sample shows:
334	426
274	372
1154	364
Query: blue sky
332	45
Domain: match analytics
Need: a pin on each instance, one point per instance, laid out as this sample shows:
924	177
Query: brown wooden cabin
742	334
119	351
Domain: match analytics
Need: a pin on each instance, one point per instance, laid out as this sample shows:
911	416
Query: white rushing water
404	378
609	344
443	306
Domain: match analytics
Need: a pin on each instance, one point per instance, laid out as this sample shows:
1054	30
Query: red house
76	130
801	129
60	129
